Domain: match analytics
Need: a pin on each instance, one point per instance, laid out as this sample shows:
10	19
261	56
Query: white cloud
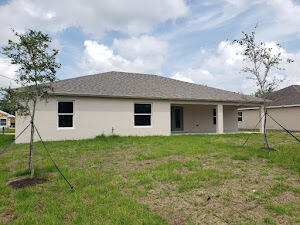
286	21
94	17
223	69
181	76
292	70
276	18
8	71
137	54
101	57
210	15
287	11
227	56
144	46
199	76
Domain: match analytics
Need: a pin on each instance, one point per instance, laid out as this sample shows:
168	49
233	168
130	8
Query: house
133	104
6	120
284	108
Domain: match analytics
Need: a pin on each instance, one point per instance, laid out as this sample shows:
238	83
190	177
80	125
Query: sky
189	40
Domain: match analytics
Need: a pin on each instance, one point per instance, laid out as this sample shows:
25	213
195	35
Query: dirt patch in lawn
228	202
4	217
26	182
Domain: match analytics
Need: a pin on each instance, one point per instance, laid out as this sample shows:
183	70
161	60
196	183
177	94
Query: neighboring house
133	104
6	120
284	108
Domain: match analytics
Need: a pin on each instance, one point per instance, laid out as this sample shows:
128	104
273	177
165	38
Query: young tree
37	69
261	60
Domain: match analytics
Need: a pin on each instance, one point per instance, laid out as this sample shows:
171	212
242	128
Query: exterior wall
95	116
3	116
250	119
230	119
199	119
289	117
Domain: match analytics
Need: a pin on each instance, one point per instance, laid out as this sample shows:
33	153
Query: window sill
142	126
65	128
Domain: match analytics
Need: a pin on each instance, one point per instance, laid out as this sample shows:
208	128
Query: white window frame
141	114
240	116
65	114
5	122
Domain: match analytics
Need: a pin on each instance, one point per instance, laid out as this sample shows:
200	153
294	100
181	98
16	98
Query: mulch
26	182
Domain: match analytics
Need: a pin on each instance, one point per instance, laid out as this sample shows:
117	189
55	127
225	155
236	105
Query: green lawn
188	179
7	130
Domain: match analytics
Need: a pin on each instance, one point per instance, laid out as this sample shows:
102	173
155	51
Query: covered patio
203	118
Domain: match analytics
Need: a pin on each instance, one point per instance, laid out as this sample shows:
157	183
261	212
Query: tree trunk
31	167
266	144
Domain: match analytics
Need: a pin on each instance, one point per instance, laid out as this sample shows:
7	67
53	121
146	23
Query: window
214	116
65	114
142	114
3	122
240	116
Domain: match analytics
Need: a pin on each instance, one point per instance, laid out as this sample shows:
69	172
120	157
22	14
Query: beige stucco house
6	120
133	104
284	108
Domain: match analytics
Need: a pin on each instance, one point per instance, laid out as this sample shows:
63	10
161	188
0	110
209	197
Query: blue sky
184	39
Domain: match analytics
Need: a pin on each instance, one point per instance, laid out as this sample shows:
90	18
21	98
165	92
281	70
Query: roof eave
155	98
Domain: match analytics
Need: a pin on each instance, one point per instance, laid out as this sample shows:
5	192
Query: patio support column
262	123
220	121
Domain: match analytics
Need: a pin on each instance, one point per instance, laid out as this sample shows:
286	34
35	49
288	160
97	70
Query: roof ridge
80	77
95	74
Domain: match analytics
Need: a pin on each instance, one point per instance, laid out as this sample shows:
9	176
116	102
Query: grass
287	209
7	130
188	179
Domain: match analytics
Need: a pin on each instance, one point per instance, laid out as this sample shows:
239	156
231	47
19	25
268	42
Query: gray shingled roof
134	85
286	96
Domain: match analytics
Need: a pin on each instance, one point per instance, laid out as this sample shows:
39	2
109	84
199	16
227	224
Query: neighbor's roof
286	96
7	114
134	85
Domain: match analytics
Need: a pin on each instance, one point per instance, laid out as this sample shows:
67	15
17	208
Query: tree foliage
261	60
37	68
6	102
259	94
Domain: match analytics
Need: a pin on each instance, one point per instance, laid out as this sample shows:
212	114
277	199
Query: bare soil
26	182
